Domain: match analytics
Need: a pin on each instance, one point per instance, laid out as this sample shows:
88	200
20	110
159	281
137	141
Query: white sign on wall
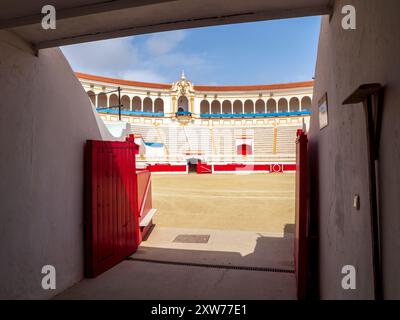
323	112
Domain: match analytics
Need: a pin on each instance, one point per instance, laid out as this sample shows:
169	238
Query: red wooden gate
301	248
110	219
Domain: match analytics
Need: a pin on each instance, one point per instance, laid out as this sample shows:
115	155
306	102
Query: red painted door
244	150
110	219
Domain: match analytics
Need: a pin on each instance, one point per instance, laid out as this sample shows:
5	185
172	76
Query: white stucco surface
89	20
45	120
347	59
117	128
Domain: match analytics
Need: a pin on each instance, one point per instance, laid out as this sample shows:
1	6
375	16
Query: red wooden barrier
110	219
301	245
203	168
160	167
276	167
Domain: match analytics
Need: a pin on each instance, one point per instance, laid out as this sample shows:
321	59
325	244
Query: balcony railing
131	113
255	115
183	113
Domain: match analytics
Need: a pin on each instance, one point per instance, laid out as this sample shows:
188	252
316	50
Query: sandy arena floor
256	202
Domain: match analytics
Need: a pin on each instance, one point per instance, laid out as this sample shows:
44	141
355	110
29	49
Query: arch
248	106
113	101
244	149
271	106
215	107
183	104
126	102
159	105
306	103
92	97
147	105
283	105
204	107
102	100
294	105
260	106
136	104
237	107
226	107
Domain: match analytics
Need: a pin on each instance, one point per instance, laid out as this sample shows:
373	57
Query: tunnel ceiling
89	20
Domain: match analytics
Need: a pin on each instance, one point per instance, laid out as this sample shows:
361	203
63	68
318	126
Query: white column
196	107
168	104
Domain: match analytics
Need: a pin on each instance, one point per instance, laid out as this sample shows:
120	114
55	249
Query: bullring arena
232	131
216	186
181	127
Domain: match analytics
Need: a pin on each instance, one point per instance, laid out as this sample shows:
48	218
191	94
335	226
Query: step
148	217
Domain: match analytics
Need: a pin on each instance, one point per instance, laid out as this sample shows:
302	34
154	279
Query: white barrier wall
347	59
45	120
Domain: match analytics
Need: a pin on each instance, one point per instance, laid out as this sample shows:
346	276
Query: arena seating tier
218	144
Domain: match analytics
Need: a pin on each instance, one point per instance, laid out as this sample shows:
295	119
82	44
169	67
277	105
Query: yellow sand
256	202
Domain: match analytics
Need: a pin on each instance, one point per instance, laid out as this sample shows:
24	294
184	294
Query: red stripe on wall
166	168
241	167
289	167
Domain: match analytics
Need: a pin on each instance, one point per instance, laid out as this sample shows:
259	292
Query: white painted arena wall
45	120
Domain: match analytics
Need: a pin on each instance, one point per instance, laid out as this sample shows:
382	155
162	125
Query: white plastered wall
347	59
45	119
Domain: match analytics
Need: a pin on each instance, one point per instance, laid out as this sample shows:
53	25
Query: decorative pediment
183	87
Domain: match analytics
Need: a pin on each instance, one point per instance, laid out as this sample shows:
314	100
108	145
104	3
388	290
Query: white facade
163	98
205	121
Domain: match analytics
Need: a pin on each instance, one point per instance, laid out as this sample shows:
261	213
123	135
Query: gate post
301	241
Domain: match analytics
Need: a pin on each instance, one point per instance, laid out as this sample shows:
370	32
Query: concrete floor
133	279
224	247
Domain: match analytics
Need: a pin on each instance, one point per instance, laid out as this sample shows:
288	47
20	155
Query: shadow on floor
225	248
198	274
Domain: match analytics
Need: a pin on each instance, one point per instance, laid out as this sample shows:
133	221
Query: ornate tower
183	97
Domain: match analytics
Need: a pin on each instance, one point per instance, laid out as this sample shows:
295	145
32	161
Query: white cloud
164	42
154	58
145	75
102	57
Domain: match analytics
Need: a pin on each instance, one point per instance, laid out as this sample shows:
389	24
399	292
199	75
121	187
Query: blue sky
248	53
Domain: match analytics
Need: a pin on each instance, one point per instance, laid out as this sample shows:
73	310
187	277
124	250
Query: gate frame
301	241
